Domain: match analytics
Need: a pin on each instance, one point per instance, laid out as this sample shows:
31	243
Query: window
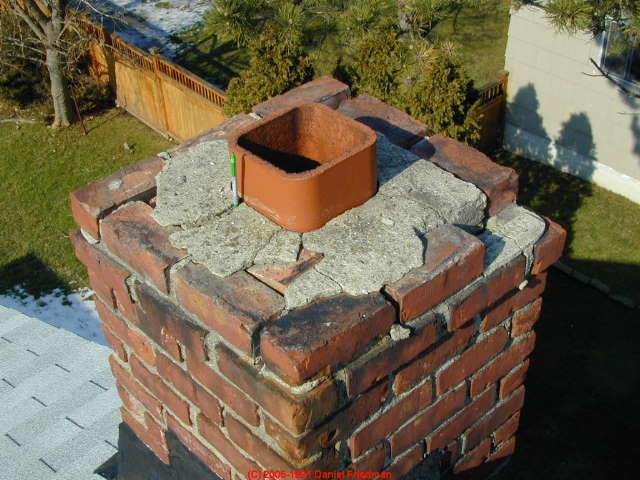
620	58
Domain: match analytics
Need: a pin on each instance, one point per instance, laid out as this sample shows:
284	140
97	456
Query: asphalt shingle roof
58	402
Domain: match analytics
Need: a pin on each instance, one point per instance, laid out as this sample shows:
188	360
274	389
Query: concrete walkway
58	402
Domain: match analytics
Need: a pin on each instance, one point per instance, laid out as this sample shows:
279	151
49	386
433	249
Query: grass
603	227
481	36
39	167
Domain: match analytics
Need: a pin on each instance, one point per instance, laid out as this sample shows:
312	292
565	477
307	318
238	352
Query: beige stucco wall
559	114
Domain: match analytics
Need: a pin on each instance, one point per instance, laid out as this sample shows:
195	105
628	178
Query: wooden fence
493	99
170	99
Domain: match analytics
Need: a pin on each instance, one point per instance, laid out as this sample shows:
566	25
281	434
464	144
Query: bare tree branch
614	81
35	27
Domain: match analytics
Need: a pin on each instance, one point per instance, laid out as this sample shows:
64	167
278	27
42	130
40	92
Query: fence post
158	81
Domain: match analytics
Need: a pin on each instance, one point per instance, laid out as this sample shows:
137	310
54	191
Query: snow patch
73	312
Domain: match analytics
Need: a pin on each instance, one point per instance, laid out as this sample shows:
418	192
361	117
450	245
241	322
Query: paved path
58	402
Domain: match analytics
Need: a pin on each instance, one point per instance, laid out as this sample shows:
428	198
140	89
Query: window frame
635	52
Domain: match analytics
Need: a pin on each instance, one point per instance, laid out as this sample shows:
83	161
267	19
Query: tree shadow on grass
32	275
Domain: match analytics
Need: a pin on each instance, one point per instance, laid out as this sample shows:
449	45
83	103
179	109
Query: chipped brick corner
433	363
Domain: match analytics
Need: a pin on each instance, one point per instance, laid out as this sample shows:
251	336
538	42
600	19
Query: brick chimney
399	331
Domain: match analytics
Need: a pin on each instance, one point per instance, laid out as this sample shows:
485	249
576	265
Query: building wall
559	114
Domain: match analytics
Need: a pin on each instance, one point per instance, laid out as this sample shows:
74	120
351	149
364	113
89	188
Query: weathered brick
149	433
115	342
135	389
176	376
491	422
225	391
524	320
132	235
487	292
453	259
327	434
297	413
139	343
160	390
499	183
406	463
167	323
471	360
200	450
130	402
92	202
383	359
549	248
513	380
453	450
279	276
444	408
507	430
212	433
235	306
504	450
501	365
107	278
397	126
325	90
436	356
255	447
391	419
373	461
518	299
463	420
474	458
324	334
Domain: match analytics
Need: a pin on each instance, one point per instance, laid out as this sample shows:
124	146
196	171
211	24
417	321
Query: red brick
132	235
160	390
524	320
380	362
327	434
140	344
444	408
491	422
425	365
107	278
115	343
255	447
508	429
130	402
549	248
454	452
325	90
499	183
200	450
513	380
149	433
166	323
494	287
396	125
471	360
504	450
279	276
235	306
518	299
229	394
176	376
92	202
391	419
499	367
453	259
296	412
474	458
324	334
407	462
463	420
374	460
126	380
212	434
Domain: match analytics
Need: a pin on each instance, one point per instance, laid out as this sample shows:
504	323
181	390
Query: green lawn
38	168
603	228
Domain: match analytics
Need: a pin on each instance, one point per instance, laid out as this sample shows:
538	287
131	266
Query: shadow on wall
573	151
633	103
